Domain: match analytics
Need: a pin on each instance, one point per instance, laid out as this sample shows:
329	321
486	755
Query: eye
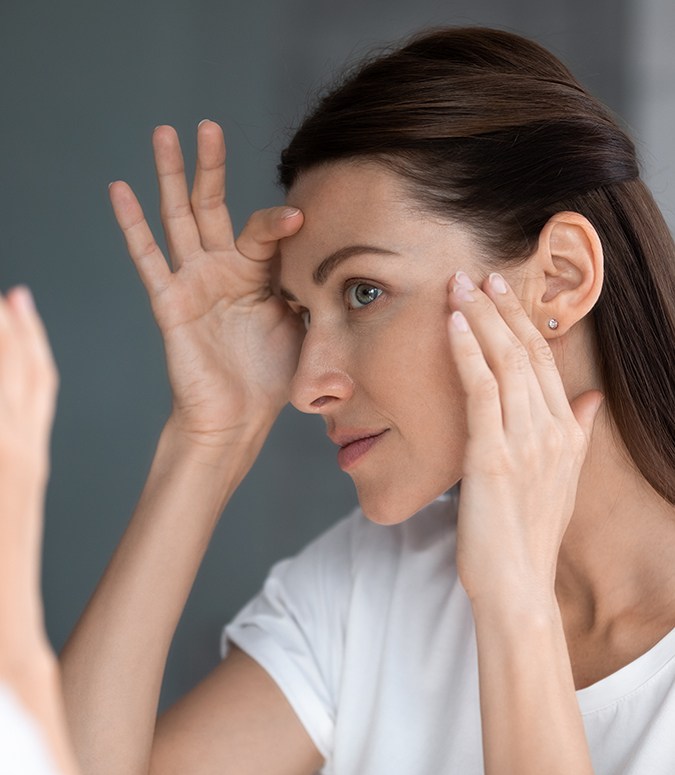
361	294
304	316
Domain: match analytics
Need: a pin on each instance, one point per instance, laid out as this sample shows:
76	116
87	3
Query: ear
565	273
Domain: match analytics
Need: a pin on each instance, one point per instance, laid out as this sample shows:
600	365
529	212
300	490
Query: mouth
355	445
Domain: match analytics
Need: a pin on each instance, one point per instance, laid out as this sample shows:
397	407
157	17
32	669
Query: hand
525	447
231	344
28	386
28	665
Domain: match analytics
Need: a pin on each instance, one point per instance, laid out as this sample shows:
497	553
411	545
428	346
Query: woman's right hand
231	344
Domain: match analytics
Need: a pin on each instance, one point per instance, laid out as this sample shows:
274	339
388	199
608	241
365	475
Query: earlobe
570	258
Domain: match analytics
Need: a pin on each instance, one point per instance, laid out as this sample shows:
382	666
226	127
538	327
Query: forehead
362	203
347	203
350	184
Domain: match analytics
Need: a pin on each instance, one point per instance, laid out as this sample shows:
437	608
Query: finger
180	227
208	191
539	352
7	358
34	340
259	238
504	354
4	316
20	300
13	353
483	406
143	249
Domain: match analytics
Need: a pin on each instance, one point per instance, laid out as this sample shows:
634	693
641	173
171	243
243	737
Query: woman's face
375	361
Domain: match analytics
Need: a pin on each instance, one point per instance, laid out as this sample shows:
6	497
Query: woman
476	264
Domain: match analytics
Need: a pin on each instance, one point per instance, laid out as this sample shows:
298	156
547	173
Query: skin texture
388	364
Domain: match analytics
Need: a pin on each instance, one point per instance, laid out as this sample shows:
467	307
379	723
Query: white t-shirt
22	748
370	635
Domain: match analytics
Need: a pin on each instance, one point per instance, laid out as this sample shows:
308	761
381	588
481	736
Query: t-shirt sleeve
295	627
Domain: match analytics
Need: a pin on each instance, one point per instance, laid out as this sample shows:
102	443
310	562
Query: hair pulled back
490	129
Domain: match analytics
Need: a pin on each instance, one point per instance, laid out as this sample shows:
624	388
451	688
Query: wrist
30	668
215	446
215	466
534	603
25	468
23	634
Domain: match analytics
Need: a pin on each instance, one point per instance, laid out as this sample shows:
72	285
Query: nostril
319	402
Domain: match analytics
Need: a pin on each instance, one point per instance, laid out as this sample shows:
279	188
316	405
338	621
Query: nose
321	382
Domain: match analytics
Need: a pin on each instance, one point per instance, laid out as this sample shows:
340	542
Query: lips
349	435
355	444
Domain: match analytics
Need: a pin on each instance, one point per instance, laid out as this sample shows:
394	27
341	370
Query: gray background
83	85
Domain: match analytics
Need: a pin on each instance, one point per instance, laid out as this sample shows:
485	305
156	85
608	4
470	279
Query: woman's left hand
525	447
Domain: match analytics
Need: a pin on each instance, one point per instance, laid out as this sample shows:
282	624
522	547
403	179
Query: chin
394	504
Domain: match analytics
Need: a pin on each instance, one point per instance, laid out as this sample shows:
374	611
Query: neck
617	553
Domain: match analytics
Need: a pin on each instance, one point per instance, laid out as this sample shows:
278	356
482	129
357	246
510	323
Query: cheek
406	367
437	417
421	372
419	392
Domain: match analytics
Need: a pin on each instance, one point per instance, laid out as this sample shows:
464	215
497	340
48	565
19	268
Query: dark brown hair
490	128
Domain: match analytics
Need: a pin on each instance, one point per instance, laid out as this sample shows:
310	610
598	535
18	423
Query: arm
28	382
529	711
231	347
114	662
525	448
235	721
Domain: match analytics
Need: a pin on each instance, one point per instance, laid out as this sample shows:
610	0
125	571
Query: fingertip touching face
369	273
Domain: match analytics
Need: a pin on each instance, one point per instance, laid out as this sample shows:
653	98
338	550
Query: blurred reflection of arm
33	735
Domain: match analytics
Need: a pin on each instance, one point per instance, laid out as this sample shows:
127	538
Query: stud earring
553	324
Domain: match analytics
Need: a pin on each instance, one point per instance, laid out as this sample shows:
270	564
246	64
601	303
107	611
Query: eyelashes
355	294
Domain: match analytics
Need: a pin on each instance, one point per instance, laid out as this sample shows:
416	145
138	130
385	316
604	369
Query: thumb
585	408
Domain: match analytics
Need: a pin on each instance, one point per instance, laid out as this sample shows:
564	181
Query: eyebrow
331	262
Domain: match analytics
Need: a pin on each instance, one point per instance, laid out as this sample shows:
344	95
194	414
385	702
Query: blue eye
361	294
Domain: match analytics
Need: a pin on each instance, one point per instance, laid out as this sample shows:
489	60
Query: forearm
22	495
530	716
114	661
28	666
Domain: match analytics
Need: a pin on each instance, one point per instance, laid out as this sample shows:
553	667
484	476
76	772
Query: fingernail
289	212
459	321
203	121
464	280
497	282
